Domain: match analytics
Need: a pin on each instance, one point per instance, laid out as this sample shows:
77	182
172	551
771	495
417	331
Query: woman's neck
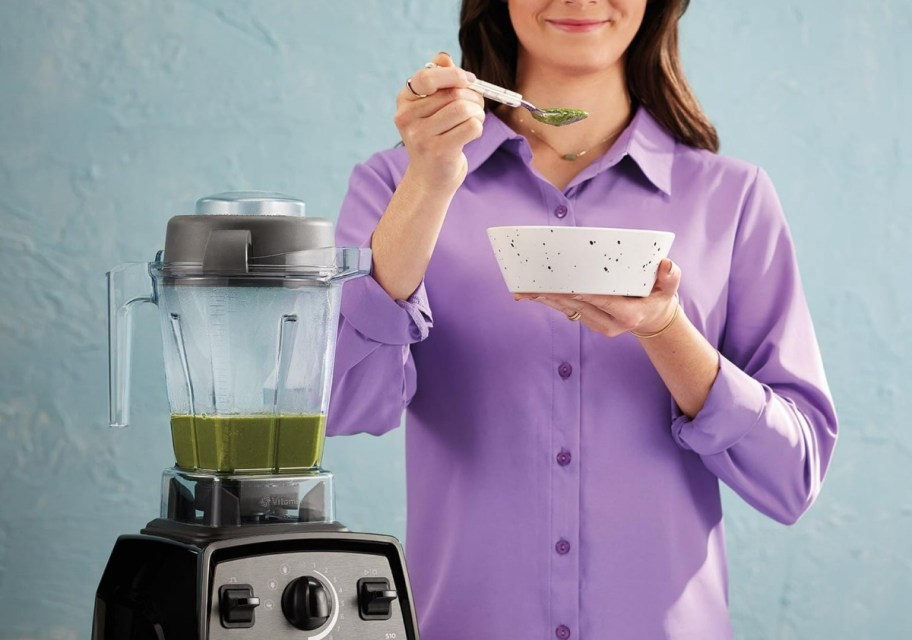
561	153
603	94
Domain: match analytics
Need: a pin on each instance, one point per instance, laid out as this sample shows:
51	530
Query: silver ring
575	316
408	83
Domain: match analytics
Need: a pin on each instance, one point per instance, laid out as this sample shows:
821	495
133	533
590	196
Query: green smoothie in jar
248	444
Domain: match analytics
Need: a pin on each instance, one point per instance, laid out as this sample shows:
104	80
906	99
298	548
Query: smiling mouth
577	26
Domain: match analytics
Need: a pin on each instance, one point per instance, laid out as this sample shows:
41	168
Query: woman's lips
577	26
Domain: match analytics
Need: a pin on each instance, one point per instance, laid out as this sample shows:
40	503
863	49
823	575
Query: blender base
158	588
249	557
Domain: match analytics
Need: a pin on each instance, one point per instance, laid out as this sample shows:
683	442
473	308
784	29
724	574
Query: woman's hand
436	127
614	315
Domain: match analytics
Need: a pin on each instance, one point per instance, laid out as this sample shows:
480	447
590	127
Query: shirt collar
645	140
650	146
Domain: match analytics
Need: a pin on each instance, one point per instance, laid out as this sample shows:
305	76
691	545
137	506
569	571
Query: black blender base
170	585
147	592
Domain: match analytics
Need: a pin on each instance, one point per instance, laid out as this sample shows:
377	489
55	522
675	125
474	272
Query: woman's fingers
464	132
590	316
416	109
446	102
451	114
668	278
427	82
453	125
442	59
437	115
614	315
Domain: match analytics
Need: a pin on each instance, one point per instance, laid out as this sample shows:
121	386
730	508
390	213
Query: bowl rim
536	227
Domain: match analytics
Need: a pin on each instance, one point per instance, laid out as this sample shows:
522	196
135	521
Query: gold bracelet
667	326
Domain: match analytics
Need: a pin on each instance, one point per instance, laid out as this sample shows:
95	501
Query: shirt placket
565	464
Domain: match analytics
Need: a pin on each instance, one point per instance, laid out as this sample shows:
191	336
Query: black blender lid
244	233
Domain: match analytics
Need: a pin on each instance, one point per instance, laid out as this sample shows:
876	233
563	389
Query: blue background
117	115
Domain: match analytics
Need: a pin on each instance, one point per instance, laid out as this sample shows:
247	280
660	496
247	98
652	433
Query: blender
246	545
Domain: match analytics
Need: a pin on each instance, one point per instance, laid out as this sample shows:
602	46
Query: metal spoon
557	117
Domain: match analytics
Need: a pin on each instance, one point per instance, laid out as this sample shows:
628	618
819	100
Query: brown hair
655	78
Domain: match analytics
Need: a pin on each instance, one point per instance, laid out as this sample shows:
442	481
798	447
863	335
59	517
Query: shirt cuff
734	405
374	314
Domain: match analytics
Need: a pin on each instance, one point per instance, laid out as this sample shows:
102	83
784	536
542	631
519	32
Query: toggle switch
236	605
374	598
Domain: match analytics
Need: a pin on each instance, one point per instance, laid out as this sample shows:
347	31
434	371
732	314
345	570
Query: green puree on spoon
559	117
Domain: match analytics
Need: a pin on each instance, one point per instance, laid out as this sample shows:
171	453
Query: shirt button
564	370
560	211
562	547
563	458
562	632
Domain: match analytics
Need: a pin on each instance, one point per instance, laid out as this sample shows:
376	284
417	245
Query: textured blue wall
116	115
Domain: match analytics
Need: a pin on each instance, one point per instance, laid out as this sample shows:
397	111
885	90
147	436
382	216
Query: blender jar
248	292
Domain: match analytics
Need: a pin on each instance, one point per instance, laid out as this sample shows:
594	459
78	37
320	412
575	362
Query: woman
563	476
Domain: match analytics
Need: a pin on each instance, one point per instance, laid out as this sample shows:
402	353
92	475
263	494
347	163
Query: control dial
306	603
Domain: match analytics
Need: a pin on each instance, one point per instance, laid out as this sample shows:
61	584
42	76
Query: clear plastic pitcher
248	292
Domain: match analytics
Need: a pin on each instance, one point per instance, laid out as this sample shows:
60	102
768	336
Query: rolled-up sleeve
376	316
374	374
768	427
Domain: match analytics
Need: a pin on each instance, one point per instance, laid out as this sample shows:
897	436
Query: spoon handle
498	94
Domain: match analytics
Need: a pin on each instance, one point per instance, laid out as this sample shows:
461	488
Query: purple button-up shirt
554	487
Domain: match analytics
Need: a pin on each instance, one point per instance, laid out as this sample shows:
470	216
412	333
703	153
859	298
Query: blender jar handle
128	284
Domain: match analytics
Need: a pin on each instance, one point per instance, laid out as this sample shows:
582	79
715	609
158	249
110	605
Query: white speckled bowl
592	260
